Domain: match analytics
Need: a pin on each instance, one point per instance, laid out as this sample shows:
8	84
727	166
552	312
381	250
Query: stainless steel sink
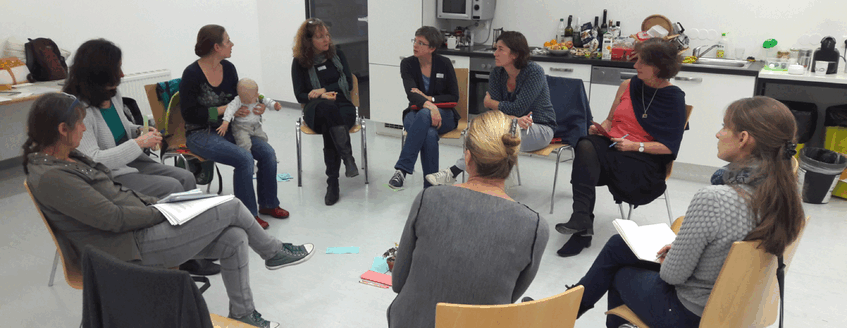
722	62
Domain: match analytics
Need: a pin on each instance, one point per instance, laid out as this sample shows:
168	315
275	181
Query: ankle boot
332	191
574	246
341	139
578	224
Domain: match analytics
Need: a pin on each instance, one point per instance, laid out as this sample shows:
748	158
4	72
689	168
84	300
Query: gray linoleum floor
325	292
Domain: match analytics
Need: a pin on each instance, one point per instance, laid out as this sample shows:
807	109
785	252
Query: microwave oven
466	9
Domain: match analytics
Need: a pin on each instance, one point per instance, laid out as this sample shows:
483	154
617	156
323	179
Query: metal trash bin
819	169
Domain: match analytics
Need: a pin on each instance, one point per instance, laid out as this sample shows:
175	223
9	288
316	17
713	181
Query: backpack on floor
44	61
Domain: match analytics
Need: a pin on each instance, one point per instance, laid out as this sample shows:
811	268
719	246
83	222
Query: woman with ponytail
755	197
469	243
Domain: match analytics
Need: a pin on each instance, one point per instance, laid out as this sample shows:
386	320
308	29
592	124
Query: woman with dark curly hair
322	82
645	122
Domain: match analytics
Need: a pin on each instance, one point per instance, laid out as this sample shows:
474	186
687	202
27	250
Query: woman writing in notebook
644	127
84	206
755	197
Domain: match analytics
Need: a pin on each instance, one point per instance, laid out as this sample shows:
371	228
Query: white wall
748	22
152	34
278	24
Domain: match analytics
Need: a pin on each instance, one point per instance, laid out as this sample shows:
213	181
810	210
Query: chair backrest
557	311
175	124
73	275
746	293
354	94
669	168
462	76
572	110
122	294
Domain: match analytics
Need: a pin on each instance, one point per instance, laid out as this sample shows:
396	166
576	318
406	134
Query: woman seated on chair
755	197
428	78
208	85
322	82
109	137
84	206
518	88
469	244
645	124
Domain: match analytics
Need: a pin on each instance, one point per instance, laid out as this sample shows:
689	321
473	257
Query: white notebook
184	196
181	212
645	241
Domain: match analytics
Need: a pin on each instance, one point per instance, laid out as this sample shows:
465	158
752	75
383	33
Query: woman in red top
645	123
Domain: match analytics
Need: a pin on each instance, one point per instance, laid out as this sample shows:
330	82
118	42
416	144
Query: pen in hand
615	143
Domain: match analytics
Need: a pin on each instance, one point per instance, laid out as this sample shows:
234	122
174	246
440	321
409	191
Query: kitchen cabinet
389	41
710	95
459	61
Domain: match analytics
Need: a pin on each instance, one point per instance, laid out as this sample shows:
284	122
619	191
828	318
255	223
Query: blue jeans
211	146
423	137
635	283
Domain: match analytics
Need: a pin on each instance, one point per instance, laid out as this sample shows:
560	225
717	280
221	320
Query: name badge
321	68
439	75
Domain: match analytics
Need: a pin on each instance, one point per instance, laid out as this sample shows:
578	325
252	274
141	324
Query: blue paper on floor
342	250
282	177
379	265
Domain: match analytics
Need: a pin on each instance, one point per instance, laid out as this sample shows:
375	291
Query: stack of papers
181	212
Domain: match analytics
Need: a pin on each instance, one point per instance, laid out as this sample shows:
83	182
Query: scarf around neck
738	174
342	79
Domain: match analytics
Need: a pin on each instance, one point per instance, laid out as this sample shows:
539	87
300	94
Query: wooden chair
224	322
461	108
557	311
745	294
174	134
668	170
360	126
73	275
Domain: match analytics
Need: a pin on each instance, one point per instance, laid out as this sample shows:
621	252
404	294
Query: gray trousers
536	137
155	179
243	131
223	232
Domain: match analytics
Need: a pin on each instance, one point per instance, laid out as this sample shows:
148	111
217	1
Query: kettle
497	32
827	53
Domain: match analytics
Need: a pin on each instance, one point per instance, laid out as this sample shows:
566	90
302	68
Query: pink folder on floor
377	277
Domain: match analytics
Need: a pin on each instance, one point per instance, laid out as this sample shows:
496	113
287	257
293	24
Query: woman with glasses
428	79
109	137
208	86
322	83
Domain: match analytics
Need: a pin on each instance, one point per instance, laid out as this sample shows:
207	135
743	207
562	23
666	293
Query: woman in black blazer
428	79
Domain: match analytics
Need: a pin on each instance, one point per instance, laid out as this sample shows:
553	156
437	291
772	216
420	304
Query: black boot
578	224
574	246
333	163
341	139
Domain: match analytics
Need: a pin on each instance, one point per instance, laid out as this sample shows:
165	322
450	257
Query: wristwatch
640	147
433	99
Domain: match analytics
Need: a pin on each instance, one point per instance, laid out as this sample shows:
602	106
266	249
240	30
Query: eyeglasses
73	105
326	36
419	43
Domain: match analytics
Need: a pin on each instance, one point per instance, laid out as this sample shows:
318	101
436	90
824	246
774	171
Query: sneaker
397	180
443	177
290	255
255	319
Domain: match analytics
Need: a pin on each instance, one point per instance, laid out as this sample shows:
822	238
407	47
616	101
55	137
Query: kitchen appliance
681	41
605	82
805	58
827	53
465	9
479	70
494	36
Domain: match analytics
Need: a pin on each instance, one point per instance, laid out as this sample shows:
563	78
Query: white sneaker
443	177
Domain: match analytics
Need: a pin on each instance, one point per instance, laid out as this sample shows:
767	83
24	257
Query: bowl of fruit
558	49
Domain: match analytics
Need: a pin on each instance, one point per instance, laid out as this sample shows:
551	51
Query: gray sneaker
397	180
255	319
290	255
443	177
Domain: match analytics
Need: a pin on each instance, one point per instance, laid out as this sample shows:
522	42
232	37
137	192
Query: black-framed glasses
415	42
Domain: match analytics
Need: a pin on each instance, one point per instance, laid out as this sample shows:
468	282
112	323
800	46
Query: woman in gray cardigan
109	137
469	244
84	206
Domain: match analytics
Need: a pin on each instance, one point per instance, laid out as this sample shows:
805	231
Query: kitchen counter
752	70
838	80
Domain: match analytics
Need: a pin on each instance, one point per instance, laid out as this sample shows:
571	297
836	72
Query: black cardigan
197	96
442	85
303	85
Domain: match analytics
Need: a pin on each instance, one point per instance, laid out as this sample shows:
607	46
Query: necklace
651	101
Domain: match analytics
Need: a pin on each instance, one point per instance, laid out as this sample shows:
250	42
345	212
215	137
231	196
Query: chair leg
620	207
402	139
364	133
53	271
629	214
518	167
668	203
297	137
555	177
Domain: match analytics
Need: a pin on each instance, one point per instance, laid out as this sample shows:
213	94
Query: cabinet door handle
481	76
690	79
559	69
625	76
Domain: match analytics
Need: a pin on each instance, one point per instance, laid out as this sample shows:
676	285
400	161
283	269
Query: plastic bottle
723	46
560	32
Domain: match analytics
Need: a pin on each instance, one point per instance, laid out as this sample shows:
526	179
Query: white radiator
132	85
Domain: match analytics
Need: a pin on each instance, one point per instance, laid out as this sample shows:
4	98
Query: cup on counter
739	53
451	42
821	67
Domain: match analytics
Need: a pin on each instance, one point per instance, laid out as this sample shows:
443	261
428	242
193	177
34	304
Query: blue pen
615	143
